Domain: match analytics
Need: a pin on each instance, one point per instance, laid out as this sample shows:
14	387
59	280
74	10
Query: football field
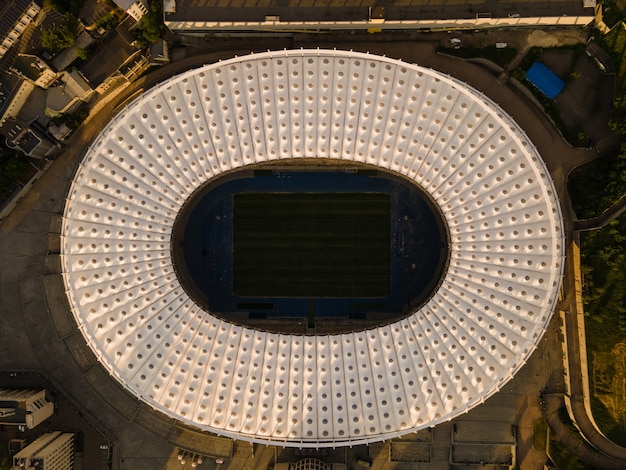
311	244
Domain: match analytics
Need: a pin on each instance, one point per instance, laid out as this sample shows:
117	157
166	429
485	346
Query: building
69	91
117	60
15	17
24	408
14	92
159	53
29	139
34	70
67	56
20	109
200	17
52	451
490	308
134	8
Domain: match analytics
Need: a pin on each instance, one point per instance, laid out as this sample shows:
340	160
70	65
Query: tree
64	6
61	37
150	27
108	22
75	119
618	118
82	53
12	166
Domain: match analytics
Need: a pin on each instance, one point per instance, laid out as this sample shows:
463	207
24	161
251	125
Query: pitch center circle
303	249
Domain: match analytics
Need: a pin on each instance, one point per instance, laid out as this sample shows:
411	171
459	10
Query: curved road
613	212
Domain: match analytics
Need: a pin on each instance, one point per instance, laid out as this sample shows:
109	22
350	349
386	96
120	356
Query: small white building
70	91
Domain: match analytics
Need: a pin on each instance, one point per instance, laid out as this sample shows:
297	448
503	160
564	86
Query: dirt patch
560	61
609	381
539	38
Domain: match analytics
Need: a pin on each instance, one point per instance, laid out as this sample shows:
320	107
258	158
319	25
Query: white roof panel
484	320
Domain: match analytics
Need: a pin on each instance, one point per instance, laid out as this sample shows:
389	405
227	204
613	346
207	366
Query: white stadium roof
475	332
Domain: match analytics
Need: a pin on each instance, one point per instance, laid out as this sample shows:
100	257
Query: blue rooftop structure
545	80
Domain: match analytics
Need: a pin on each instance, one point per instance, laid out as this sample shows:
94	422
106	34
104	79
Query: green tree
61	37
604	264
598	184
65	6
75	119
611	13
150	27
82	53
618	118
12	165
108	21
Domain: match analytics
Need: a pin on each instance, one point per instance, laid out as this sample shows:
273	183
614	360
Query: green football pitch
311	244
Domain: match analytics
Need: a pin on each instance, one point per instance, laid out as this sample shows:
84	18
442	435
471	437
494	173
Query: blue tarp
545	80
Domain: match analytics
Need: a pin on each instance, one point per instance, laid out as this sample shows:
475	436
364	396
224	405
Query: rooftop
10	85
545	80
10	12
29	66
254	10
110	56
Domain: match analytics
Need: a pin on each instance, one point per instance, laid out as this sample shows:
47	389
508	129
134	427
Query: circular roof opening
461	346
312	249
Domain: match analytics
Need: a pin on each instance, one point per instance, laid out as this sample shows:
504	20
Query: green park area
604	295
594	188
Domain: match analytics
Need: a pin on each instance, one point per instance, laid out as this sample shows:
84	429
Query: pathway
612	213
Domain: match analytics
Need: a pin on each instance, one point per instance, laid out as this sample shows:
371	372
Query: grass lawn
540	435
561	457
311	244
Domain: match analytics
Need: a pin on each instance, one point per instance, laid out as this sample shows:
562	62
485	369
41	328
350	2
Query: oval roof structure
462	346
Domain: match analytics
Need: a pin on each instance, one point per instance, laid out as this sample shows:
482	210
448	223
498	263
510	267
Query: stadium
331	120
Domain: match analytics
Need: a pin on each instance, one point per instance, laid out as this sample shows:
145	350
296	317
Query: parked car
455	43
